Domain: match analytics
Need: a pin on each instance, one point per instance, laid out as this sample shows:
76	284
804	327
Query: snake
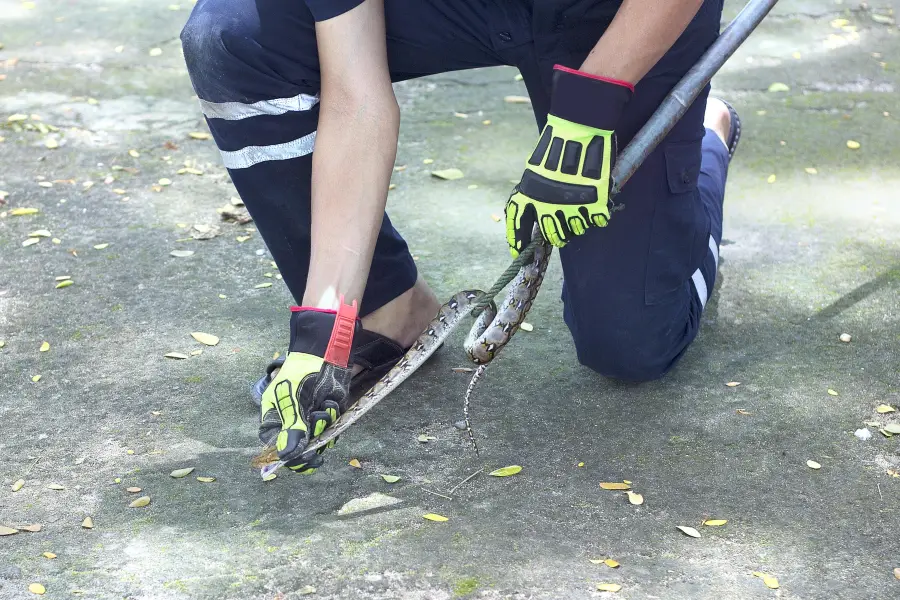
493	328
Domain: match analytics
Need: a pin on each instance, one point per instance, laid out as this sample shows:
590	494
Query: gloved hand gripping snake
492	330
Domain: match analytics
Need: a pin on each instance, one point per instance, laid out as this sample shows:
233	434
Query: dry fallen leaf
893	428
506	471
45	347
425	438
741	411
635	498
56	486
205	338
517	99
64	284
435	517
35	378
688	531
179	473
733	383
196	352
427	161
36	588
779	87
811	170
30	242
884	409
608	587
177	355
133	490
897	573
260	286
39	233
18	485
715	522
32	528
140	502
22	212
813	464
181	253
206	479
390	478
48	555
4	530
355	463
155	51
164	181
853	145
88	523
133	153
612	564
771	178
448	174
770	582
615	486
885	433
831	392
846	338
199	135
525	326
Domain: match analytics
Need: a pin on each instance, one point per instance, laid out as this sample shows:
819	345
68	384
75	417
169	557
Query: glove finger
520	219
319	421
306	464
269	426
599	219
291	443
551	230
577	225
333	409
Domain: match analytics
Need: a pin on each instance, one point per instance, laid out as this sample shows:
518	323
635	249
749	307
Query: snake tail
475	377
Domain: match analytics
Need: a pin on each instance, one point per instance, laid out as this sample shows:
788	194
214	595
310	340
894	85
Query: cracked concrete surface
804	259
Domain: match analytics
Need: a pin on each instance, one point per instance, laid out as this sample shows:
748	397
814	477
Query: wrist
588	99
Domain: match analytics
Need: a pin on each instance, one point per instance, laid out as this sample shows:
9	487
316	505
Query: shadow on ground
806	258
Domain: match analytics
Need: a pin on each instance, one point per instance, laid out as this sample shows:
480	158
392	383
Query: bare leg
718	119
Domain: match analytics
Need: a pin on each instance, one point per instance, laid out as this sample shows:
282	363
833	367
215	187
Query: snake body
491	332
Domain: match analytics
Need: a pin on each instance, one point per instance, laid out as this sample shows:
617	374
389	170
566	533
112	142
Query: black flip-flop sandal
734	133
375	353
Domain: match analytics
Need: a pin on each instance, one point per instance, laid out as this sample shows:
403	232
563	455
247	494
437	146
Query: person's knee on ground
626	353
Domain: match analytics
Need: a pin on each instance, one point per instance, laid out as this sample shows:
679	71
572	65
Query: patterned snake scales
491	332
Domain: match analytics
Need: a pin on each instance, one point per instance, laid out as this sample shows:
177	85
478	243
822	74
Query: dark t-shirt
325	9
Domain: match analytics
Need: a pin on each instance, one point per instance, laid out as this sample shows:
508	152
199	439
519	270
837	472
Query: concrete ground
806	258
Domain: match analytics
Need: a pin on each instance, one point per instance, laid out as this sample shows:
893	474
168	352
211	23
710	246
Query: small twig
31	466
878	485
456	487
437	494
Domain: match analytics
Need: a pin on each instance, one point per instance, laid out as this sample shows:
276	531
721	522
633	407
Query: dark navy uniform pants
633	292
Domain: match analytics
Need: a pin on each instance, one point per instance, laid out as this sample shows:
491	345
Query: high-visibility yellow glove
565	187
312	388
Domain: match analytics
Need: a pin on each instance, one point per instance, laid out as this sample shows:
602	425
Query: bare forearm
640	34
356	145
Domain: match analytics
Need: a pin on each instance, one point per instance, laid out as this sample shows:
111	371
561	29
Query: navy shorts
633	292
